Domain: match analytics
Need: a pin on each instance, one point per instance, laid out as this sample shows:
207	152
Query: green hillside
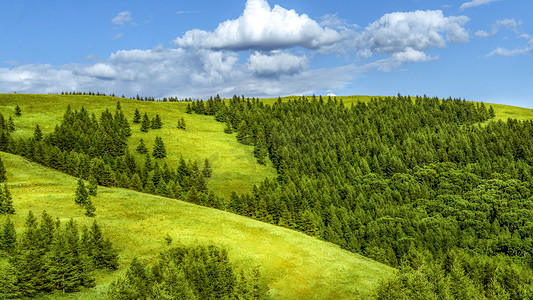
294	266
366	210
235	168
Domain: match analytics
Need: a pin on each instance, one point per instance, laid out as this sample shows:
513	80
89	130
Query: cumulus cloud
418	30
276	63
99	70
406	35
122	18
261	27
475	3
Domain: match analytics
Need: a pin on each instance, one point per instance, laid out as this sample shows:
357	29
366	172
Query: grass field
234	166
294	266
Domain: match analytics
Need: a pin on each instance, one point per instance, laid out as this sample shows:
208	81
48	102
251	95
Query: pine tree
81	193
17	110
92	187
9	237
141	148
89	208
11	124
7	203
136	183
2	171
119	107
159	148
207	171
228	129
181	124
145	123
188	109
156	122
37	133
137	116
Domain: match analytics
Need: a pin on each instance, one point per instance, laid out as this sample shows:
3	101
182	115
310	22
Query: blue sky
479	50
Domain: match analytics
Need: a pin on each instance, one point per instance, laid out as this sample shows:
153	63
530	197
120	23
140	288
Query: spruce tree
7	203
82	195
92	187
156	122
181	124
11	124
159	148
207	171
90	208
228	129
17	110
37	133
137	116
9	237
141	148
3	176
145	123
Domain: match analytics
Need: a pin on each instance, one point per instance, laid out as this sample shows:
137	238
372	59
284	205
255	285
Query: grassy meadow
234	166
294	265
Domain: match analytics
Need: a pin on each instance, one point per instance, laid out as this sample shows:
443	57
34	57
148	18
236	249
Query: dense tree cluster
49	256
200	272
393	174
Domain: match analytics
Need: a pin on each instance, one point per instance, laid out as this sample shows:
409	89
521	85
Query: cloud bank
267	51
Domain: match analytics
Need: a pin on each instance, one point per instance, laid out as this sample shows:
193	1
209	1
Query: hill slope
234	166
295	266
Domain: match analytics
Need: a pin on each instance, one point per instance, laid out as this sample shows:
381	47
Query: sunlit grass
294	266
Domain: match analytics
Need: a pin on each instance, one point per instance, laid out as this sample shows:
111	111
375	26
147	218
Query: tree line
49	256
194	272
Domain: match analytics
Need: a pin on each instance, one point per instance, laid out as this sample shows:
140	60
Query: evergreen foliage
3	176
6	201
37	133
17	110
382	177
141	149
81	195
145	123
156	122
159	148
201	272
137	116
181	123
48	257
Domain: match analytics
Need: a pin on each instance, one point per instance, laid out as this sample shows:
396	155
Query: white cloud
482	34
398	59
475	3
276	63
418	30
100	70
118	36
177	72
510	24
262	28
122	18
517	51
